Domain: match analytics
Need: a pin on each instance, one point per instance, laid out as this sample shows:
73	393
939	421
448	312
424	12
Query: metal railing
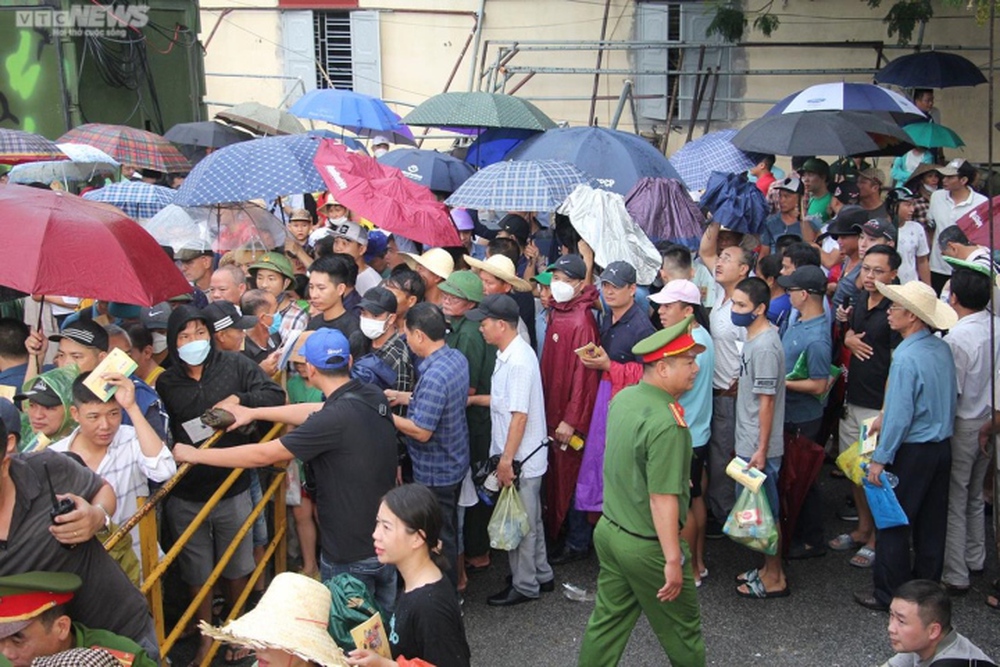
154	567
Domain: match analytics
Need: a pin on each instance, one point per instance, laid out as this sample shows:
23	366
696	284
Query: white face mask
159	342
929	187
379	152
333	222
373	328
562	292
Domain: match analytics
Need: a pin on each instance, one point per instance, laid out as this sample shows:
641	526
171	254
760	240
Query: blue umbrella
735	203
136	199
525	185
437	171
350	142
265	168
931	69
616	159
841	96
696	160
494	144
351	111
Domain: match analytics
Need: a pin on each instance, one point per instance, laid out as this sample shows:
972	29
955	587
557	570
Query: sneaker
713	530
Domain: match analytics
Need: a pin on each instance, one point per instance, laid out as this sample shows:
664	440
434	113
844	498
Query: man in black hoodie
201	378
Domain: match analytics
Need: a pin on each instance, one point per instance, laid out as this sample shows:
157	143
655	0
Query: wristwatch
107	517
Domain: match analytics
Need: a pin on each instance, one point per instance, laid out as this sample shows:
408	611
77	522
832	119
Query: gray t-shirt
954	645
762	371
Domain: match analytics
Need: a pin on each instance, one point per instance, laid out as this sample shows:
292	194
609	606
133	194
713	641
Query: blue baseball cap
327	350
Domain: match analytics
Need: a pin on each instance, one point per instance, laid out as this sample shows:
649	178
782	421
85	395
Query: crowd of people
613	407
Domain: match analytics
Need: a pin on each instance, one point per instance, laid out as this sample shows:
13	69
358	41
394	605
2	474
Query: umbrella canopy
735	203
822	133
83	164
130	146
616	159
695	161
119	261
931	69
261	119
207	134
479	109
977	222
398	134
264	168
494	144
843	96
136	199
351	111
663	210
523	185
604	223
350	142
932	135
437	171
383	195
18	147
224	227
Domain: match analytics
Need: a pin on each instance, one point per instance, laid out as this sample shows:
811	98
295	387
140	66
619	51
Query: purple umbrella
664	210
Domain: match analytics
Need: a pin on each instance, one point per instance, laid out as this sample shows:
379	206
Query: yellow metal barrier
153	567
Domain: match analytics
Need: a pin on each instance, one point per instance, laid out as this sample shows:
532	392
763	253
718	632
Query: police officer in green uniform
34	623
644	565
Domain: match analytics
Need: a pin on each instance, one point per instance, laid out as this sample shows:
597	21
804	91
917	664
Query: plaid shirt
921	207
438	405
396	355
293	318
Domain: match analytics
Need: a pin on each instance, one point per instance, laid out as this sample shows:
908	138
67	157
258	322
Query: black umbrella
931	69
823	133
207	134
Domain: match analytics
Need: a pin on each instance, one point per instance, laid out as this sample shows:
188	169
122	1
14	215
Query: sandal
238	655
756	590
992	602
844	542
749	575
864	558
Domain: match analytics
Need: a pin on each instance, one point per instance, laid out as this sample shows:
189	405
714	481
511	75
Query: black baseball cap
85	332
222	315
10	417
847	193
516	226
572	265
497	307
619	274
378	301
809	278
40	392
878	228
848	222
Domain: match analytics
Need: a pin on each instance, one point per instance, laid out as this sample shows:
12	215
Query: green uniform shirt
467	339
122	648
648	451
820	206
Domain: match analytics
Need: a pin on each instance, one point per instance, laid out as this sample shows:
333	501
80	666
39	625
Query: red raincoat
570	391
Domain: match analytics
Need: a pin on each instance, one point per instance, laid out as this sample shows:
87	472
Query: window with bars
333	49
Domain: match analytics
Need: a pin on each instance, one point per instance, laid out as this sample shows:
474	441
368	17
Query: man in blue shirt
915	440
436	429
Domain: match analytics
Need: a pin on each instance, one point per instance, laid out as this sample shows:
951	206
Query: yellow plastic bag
850	461
509	522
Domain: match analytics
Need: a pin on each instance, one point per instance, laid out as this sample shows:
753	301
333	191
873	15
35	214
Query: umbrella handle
38	327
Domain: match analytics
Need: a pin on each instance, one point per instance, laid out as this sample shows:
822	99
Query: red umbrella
976	223
128	145
58	243
386	197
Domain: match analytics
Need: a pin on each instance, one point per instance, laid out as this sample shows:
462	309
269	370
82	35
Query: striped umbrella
130	146
18	147
136	199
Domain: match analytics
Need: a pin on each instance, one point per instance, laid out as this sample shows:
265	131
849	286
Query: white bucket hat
436	260
501	267
919	298
292	616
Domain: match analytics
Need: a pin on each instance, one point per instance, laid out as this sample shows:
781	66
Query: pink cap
684	291
462	220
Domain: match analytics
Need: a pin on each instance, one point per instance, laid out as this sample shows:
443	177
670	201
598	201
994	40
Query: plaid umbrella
478	109
696	161
130	146
17	147
135	198
524	185
261	119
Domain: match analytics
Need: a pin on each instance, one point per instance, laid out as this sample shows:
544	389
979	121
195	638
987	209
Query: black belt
626	530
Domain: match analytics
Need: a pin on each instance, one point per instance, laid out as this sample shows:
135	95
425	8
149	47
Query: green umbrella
479	110
932	135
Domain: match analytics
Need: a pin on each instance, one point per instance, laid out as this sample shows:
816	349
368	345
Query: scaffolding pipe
591	120
480	15
632	72
589	45
626	93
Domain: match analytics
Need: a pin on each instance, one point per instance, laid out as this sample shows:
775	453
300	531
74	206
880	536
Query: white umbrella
224	227
84	163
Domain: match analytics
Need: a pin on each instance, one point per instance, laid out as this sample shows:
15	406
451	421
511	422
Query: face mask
373	328
562	292
333	222
379	152
194	353
929	187
275	325
159	343
742	319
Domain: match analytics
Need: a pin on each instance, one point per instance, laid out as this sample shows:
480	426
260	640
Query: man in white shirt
975	357
955	198
351	239
517	413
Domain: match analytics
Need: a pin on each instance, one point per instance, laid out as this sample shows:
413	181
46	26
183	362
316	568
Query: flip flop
749	575
756	591
844	542
992	602
864	558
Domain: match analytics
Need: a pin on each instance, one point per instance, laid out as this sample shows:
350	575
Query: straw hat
292	616
501	267
919	298
436	260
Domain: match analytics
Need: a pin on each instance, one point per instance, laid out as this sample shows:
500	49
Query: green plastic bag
352	606
800	371
752	524
509	523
